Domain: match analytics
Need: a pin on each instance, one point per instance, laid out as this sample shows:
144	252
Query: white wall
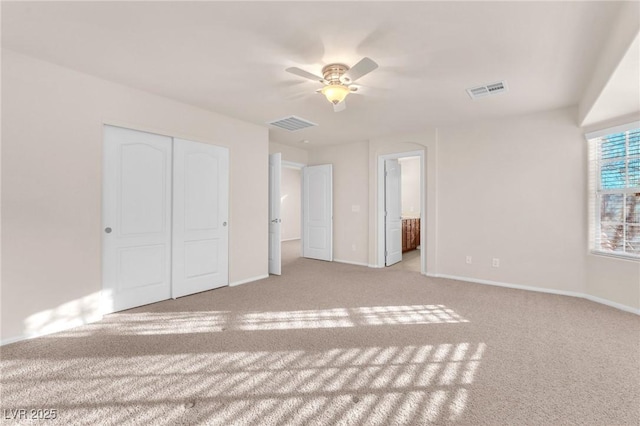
410	181
514	189
616	280
289	153
52	120
350	198
290	207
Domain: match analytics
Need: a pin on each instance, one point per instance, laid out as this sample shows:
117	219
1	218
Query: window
615	191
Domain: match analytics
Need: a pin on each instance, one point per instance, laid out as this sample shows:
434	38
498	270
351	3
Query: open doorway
285	211
300	212
410	213
401	214
291	212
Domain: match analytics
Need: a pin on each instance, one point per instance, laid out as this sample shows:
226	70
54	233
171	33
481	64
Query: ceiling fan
338	80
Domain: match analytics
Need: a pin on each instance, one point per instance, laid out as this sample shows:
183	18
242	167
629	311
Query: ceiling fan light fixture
337	80
335	93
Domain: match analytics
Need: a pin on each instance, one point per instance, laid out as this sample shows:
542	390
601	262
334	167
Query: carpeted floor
330	343
410	262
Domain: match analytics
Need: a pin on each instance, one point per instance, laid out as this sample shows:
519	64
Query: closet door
136	212
200	217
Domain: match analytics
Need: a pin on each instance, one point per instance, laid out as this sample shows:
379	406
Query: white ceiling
230	57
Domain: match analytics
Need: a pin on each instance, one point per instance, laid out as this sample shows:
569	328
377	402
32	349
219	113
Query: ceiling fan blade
364	67
340	106
302	73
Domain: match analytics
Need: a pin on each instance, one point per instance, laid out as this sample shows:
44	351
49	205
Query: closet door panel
200	217
136	218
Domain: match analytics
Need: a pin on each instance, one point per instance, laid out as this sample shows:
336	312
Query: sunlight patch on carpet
398	384
150	323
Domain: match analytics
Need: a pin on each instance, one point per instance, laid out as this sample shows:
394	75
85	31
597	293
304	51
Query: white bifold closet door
150	254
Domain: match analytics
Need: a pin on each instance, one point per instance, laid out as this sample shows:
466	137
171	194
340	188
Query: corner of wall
625	30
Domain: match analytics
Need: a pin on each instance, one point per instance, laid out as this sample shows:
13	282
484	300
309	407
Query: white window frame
595	192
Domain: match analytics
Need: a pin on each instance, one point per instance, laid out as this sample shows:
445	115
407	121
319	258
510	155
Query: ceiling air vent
292	123
489	89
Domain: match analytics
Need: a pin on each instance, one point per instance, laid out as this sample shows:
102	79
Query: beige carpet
410	262
330	343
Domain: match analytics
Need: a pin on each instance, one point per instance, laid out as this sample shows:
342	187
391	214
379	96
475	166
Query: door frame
380	225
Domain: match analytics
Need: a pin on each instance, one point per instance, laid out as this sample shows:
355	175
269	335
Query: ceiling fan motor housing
333	72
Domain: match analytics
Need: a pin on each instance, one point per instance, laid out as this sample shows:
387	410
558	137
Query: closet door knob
224	223
107	230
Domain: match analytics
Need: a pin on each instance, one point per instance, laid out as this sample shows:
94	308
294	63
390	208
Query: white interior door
275	221
393	212
136	218
200	217
317	212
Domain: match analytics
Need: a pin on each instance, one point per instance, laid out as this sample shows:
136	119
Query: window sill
627	257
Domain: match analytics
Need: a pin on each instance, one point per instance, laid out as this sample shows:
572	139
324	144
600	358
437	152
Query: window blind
614	191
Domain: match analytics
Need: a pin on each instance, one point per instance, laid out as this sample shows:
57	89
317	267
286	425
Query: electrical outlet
496	262
469	260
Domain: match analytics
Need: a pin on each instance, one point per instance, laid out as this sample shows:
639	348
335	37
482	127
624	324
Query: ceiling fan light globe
335	93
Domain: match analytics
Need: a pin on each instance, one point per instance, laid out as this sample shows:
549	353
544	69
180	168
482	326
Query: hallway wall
290	207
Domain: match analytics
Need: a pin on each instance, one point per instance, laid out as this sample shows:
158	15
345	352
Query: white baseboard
15	339
350	262
612	304
73	324
248	280
289	239
595	299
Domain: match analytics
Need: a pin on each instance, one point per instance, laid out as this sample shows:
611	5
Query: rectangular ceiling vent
489	89
292	123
